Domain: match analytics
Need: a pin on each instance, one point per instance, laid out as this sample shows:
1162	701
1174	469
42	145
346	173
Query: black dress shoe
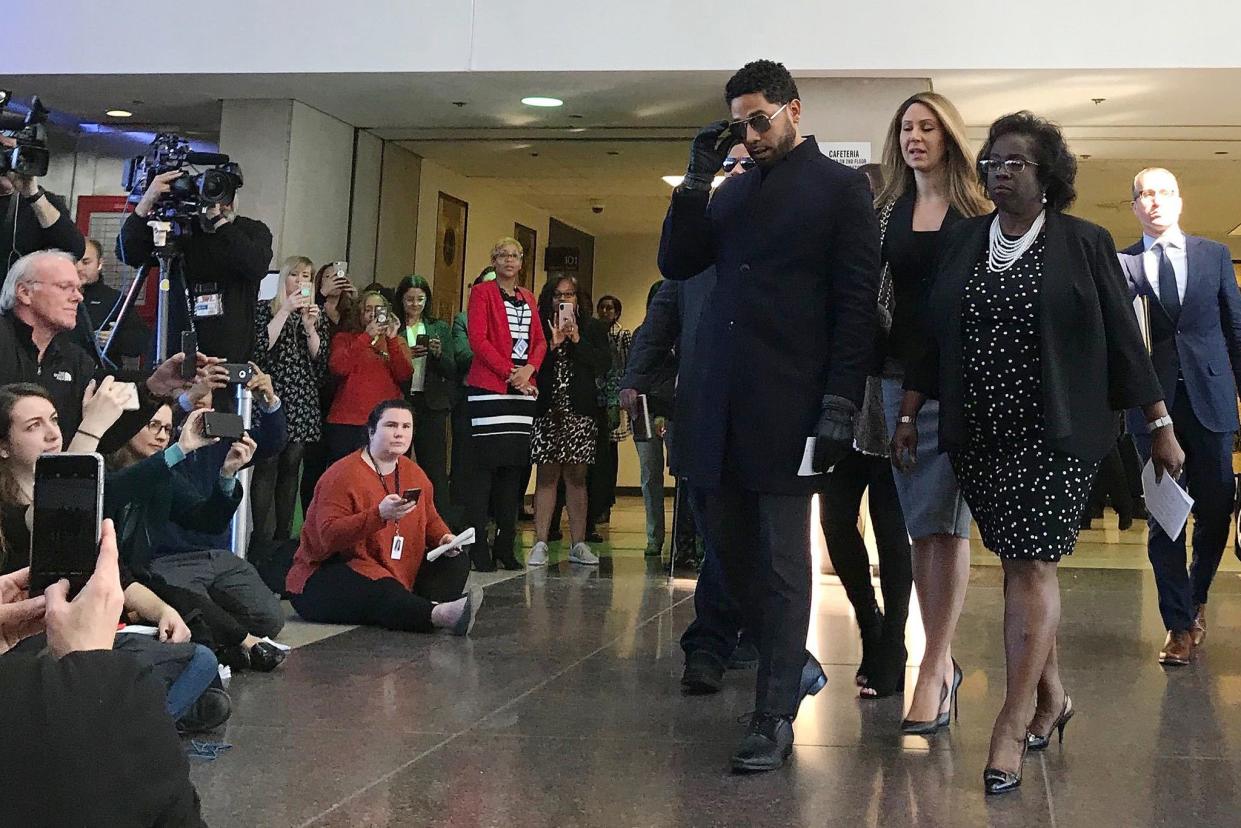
766	746
208	712
510	563
704	674
235	658
996	781
593	536
266	657
813	679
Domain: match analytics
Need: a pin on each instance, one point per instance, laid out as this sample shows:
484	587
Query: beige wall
625	266
491	215
401	177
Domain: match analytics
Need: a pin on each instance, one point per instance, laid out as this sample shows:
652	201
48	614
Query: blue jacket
1205	345
200	473
671	330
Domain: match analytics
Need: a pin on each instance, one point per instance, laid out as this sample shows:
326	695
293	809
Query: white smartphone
342	269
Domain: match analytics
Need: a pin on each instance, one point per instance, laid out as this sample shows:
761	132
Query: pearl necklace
1003	253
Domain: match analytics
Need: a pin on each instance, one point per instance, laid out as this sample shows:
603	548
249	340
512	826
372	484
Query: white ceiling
1182	117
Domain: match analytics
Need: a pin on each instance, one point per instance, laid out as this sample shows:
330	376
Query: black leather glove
834	433
707	154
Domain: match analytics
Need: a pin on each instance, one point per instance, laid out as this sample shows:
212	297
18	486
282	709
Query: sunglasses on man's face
746	163
761	122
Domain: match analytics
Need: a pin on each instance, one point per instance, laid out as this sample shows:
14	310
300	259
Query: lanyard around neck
383	480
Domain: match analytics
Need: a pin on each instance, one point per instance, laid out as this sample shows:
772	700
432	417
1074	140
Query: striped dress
500	424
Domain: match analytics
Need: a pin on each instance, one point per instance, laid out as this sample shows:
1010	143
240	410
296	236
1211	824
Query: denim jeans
193	682
651	464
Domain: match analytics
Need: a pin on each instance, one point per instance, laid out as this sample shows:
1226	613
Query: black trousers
431	450
459	474
1112	482
314	464
601	478
336	594
210	624
343	440
763	542
273	493
493	492
840	501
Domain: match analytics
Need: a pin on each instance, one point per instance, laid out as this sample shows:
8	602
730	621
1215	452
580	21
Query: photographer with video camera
224	256
31	218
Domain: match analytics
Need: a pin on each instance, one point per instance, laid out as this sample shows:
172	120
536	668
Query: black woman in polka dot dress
1032	343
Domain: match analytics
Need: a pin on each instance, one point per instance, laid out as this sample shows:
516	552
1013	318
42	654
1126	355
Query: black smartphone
412	495
239	373
189	347
641	415
422	340
222	424
68	515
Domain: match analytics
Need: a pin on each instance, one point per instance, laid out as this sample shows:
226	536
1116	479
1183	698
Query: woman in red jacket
506	336
362	558
371	364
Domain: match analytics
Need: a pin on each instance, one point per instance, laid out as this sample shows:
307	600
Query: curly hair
1057	165
767	77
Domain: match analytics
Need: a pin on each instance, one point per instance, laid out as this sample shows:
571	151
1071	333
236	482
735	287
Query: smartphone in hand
642	430
68	518
412	496
189	347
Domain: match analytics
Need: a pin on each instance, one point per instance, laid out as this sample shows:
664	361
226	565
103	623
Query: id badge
520	348
398	545
209	304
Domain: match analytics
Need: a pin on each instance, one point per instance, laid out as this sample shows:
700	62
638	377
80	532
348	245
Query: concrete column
298	165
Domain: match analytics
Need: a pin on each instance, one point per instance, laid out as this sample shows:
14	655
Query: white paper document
1166	501
806	469
464	539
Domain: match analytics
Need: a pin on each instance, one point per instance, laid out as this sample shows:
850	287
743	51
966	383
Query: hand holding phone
68	515
189	347
88	622
412	496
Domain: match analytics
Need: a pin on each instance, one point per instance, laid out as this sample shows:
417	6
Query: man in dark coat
786	339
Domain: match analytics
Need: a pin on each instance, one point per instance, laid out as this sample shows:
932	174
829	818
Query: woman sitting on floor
362	558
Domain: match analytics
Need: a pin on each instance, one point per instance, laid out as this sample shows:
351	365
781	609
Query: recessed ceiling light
537	100
675	180
577	129
119	113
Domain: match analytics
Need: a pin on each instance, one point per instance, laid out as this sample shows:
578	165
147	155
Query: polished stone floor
564	709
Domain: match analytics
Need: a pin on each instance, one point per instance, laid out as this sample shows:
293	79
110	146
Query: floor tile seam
511	702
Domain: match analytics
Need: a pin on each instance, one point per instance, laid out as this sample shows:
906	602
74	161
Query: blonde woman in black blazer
1031	345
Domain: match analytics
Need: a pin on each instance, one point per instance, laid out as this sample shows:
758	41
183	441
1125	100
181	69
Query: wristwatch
1165	420
905	419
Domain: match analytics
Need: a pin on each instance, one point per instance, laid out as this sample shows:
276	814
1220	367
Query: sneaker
581	554
538	555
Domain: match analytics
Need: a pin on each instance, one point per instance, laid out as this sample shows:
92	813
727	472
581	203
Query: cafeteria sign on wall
850	153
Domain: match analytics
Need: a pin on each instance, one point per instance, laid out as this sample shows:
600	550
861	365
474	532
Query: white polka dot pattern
1027	498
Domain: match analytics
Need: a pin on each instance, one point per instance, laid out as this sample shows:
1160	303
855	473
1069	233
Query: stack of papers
464	539
1166	501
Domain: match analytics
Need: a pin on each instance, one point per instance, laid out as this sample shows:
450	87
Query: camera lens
216	187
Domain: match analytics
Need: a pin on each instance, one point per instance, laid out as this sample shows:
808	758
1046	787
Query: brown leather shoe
1199	630
1177	650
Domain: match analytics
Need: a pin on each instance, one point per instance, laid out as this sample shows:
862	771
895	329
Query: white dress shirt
1173	241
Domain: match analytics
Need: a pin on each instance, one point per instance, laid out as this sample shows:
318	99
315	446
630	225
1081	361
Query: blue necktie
1169	294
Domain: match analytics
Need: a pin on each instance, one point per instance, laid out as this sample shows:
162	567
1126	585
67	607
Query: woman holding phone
432	386
566	427
292	346
371	364
363	552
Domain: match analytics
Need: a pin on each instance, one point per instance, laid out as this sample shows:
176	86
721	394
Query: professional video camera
30	156
191	194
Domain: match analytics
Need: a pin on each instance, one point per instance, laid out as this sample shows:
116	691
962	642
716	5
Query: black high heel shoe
1036	742
949	694
871	629
996	781
887	668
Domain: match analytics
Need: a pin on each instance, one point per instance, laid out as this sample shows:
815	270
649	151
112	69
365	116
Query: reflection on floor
563	709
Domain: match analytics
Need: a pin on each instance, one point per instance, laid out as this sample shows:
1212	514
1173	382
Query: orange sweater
343	521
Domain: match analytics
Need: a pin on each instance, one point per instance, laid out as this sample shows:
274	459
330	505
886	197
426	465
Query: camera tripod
166	253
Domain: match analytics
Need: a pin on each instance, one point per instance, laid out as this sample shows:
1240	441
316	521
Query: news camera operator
32	219
224	258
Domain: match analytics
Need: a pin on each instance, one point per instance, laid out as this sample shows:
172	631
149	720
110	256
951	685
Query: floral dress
296	376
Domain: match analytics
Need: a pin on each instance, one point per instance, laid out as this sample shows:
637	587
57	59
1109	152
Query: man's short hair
23	270
1146	170
763	76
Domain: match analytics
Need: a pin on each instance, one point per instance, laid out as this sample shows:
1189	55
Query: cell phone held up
564	315
68	517
411	496
239	373
223	425
189	347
